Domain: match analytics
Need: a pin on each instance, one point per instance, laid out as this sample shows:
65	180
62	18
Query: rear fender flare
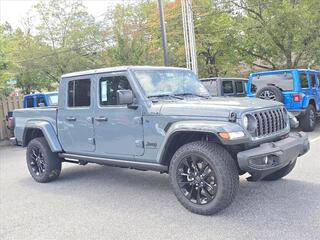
48	132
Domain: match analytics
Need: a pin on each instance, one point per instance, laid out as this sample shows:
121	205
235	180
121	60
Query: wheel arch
182	137
44	129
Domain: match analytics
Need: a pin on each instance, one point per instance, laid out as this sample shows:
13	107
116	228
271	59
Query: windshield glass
284	81
53	100
170	82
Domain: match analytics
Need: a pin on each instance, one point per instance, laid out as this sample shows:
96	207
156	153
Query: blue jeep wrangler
298	89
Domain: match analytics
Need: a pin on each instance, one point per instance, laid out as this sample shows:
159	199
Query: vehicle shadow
278	201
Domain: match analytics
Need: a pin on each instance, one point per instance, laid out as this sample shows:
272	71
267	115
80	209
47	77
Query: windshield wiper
166	95
192	94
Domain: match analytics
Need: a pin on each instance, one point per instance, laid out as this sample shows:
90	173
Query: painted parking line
315	139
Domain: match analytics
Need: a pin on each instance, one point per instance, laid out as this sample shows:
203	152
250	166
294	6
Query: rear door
75	122
318	89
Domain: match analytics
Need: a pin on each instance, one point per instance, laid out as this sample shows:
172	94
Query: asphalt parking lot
99	202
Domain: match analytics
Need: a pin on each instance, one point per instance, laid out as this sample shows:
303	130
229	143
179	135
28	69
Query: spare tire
270	93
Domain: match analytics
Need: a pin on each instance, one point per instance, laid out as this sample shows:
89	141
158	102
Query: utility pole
163	33
189	36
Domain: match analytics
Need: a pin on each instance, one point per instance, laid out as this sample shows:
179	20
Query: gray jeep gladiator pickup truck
161	119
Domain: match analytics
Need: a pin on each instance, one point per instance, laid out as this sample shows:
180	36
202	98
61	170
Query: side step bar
116	163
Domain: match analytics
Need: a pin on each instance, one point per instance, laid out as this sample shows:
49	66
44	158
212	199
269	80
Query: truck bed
22	116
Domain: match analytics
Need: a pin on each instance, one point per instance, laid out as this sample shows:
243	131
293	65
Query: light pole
163	33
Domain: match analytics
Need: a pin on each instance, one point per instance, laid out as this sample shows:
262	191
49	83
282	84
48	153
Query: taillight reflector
296	97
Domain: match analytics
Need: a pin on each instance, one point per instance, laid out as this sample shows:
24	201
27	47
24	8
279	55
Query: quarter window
79	93
239	87
109	87
304	80
313	80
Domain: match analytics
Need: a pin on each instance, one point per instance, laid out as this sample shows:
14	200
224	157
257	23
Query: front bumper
270	157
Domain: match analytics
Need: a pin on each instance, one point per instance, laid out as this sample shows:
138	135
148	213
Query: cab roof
283	71
116	69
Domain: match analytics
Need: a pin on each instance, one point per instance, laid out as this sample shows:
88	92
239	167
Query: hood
214	107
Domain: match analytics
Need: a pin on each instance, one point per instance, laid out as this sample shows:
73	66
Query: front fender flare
211	127
47	131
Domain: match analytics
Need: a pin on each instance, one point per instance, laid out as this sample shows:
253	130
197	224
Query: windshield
284	81
53	99
168	82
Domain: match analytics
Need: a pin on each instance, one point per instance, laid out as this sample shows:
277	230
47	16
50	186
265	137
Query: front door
75	122
118	128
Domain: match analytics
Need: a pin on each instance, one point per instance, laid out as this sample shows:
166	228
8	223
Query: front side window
162	82
303	80
79	93
211	86
108	89
227	87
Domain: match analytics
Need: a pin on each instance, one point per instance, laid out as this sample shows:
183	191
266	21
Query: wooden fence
6	105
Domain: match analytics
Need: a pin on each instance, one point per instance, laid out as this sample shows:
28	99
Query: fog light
265	161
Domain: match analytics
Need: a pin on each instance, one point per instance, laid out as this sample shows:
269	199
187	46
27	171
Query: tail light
11	123
297	97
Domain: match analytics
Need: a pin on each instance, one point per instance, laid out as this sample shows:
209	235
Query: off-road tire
308	120
280	173
50	161
273	89
225	171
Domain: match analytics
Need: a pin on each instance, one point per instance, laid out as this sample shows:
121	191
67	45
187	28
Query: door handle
101	119
71	119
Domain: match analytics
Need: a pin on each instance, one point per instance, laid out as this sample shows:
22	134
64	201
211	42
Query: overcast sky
13	10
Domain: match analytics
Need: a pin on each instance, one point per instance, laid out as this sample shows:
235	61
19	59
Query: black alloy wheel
37	161
196	179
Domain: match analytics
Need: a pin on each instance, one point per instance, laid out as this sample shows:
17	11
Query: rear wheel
204	177
280	173
308	120
44	165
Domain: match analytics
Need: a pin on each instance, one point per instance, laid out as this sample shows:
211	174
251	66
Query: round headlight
249	122
245	122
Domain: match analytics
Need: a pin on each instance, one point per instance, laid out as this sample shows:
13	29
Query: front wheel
204	177
43	164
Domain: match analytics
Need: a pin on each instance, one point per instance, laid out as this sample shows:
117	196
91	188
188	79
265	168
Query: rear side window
313	80
227	87
211	86
79	93
40	101
239	87
30	102
284	81
109	87
319	80
303	80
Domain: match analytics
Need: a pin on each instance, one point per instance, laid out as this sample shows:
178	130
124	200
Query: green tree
279	33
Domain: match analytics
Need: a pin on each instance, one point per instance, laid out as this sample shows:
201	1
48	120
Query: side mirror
124	97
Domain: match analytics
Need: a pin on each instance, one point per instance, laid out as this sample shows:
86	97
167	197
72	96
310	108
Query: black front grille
270	121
